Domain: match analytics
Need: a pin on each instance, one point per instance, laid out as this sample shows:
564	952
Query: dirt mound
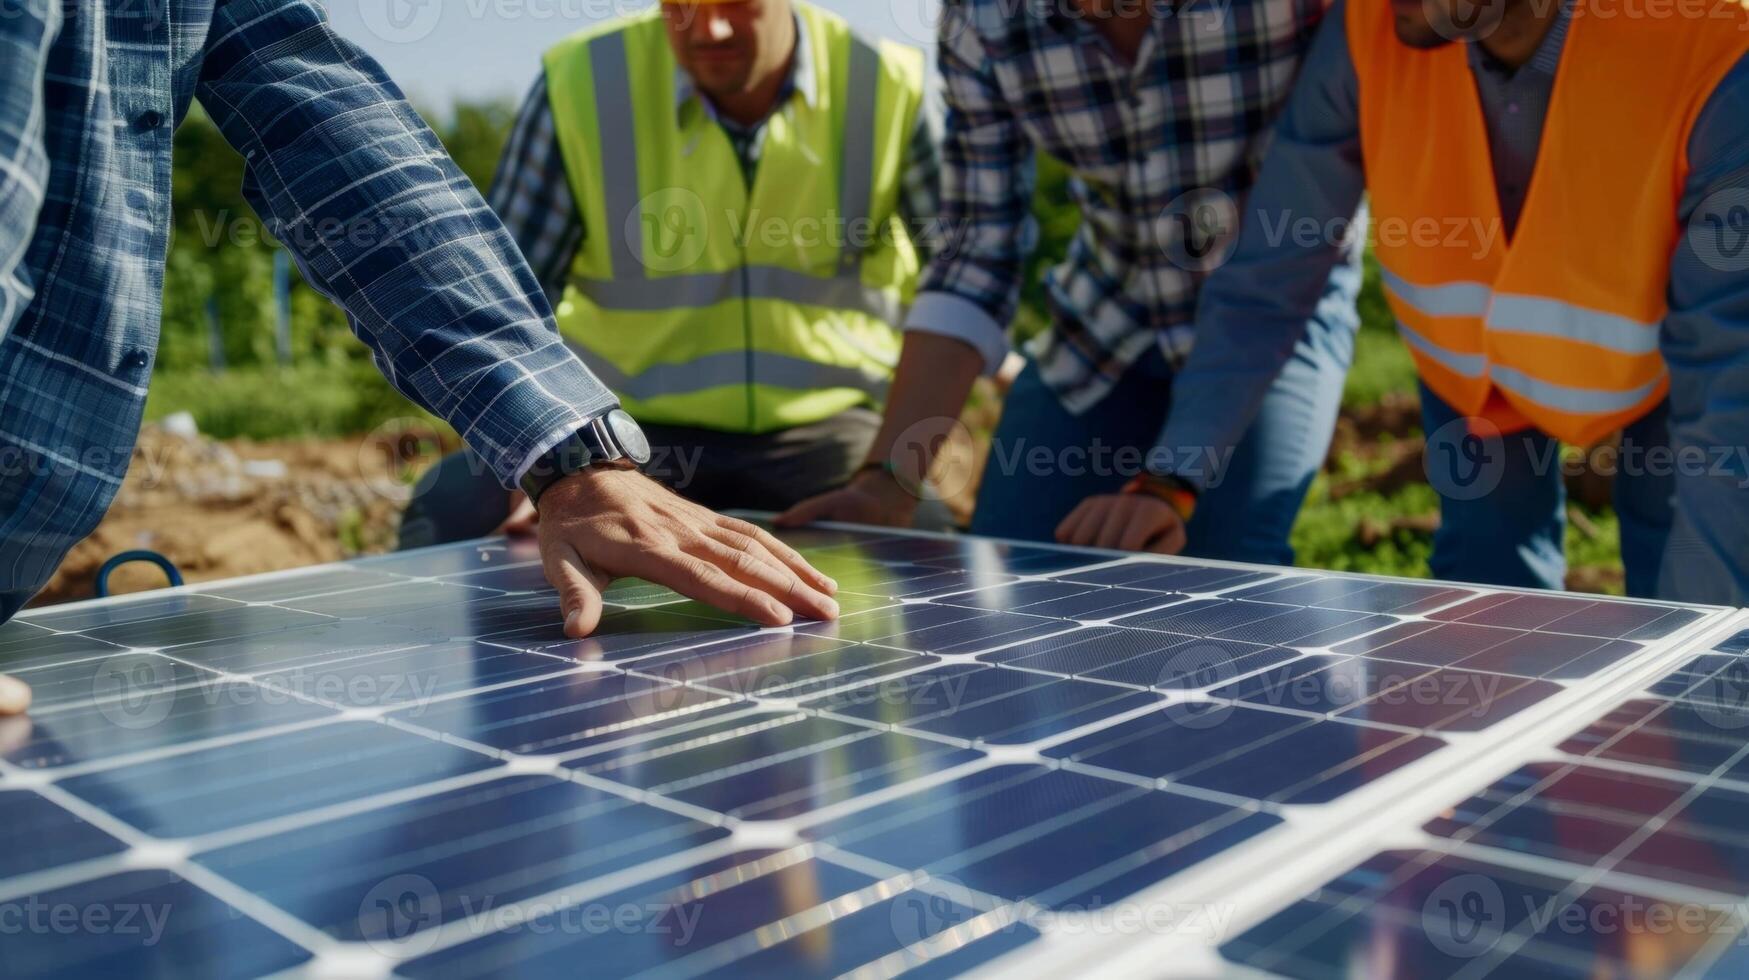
223	509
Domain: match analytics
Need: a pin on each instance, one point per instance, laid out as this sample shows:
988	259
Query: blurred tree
221	253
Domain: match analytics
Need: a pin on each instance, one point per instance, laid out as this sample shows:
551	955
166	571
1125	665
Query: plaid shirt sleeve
381	221
532	194
920	190
971	290
25	36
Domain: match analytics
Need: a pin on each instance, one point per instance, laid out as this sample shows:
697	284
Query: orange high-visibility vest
1557	328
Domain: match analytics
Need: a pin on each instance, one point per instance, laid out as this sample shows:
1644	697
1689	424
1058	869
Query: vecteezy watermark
1465	459
401	917
135	691
1718	231
34	917
938	903
1449	694
1467	916
1200	230
671	230
1206	465
1722	700
942	451
1468	459
394	454
138	691
1198	667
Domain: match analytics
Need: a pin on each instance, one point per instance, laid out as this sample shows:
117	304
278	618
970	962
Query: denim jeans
1503	503
1247	514
460	499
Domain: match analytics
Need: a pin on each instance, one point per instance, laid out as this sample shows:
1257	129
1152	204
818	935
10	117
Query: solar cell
1430	914
477	847
401	766
1053	838
752	913
1626	857
141	924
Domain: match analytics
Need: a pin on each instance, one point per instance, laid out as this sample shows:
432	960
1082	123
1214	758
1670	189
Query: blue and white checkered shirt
1187	120
345	173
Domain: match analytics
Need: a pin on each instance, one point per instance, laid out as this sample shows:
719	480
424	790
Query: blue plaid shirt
345	173
1145	144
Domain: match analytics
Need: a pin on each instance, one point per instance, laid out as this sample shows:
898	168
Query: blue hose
128	558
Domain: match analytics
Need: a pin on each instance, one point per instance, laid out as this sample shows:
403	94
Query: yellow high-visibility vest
1559	327
701	302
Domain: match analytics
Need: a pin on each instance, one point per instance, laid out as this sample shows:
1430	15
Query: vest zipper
747	336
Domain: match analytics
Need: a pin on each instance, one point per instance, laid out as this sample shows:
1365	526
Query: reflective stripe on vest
729	368
1528	315
633	289
710	300
1556	326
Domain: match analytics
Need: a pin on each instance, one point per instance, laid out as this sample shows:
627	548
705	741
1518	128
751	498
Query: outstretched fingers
579	589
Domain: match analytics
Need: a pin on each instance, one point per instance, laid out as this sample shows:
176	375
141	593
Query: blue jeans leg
1248	514
1502	503
1644	502
1045	460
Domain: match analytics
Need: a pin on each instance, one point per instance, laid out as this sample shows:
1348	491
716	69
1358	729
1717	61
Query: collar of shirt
803	80
1546	60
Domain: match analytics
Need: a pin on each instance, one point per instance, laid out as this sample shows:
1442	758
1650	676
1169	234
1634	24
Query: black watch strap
566	459
608	438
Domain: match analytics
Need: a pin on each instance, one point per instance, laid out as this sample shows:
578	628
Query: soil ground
224	509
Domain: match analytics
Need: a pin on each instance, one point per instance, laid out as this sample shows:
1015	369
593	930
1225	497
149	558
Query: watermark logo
134	691
393	455
1200	666
1464	20
1719	230
1465	916
401	21
399	917
918	915
671	227
1722	700
1200	229
942	448
1465	459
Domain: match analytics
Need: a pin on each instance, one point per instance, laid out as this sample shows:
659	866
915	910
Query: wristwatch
609	438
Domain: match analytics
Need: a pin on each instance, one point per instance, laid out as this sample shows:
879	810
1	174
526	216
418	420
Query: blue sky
441	50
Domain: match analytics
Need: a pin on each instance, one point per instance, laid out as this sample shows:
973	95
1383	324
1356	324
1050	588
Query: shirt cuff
950	315
545	445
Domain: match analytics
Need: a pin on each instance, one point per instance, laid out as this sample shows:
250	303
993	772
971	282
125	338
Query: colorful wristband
1177	494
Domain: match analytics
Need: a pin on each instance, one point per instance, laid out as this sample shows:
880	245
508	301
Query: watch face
631	439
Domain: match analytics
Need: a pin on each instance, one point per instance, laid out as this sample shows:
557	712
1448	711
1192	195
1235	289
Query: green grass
314	400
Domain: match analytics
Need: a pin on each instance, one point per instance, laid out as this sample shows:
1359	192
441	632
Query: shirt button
138	200
137	358
1512	108
149	120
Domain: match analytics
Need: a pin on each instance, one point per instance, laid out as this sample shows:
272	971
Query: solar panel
1003	757
1618	849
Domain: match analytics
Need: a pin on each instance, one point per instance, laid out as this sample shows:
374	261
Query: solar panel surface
1001	751
1621	850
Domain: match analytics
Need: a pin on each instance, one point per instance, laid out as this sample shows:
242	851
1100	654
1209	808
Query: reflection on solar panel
1622	851
1002	756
